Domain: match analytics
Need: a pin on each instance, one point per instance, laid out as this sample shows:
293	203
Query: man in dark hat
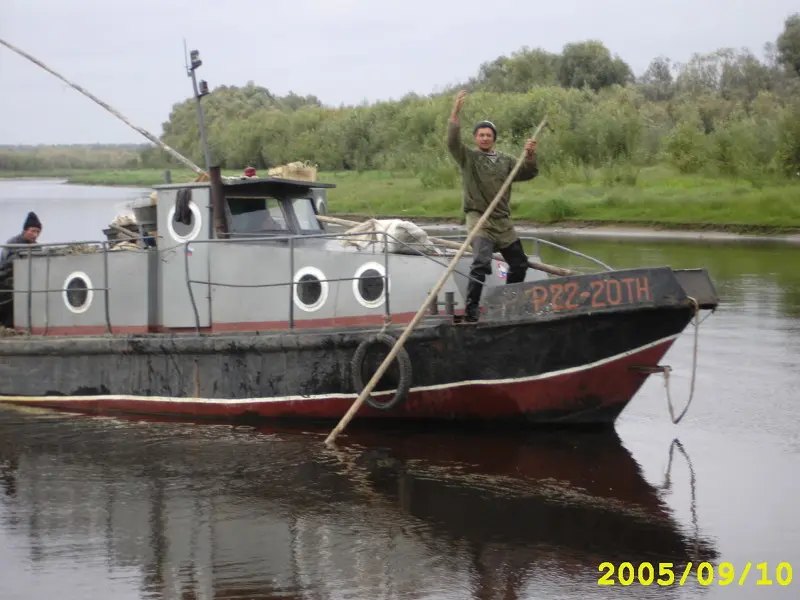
483	172
31	230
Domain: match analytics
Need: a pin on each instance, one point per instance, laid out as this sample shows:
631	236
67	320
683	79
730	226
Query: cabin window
183	230
78	292
369	285
310	289
184	219
306	217
256	215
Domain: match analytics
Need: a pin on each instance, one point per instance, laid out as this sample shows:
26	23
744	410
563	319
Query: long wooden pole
434	292
114	112
553	270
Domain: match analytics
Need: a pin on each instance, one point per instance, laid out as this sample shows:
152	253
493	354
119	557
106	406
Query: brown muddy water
117	509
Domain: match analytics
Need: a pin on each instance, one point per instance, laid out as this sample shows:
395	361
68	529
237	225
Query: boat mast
199	92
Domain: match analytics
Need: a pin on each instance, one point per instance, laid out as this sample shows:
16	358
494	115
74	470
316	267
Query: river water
117	509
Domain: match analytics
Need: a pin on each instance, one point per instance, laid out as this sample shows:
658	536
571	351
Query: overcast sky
129	53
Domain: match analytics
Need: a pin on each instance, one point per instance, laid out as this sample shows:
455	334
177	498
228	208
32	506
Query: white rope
387	321
692	487
694	369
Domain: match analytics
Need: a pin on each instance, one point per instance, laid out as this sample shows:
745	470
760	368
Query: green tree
725	112
657	82
788	44
590	64
520	72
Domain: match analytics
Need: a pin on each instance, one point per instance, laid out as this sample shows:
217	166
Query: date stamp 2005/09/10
666	574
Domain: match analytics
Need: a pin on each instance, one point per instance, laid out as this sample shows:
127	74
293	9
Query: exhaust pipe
217	203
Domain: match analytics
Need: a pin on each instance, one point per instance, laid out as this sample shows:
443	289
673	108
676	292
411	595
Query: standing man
30	233
483	171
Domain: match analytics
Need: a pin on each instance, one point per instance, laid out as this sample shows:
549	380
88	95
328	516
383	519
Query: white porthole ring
89	292
196	218
323	296
357	280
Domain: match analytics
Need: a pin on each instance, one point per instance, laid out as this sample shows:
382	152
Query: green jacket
483	174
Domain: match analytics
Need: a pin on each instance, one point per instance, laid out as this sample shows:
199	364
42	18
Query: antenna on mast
185	56
199	92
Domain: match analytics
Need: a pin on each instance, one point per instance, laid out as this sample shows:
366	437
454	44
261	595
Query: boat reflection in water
178	511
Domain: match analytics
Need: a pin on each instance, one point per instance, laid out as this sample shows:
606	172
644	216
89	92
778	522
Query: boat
237	299
279	317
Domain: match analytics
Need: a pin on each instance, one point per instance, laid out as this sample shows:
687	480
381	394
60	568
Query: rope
387	321
667	485
694	369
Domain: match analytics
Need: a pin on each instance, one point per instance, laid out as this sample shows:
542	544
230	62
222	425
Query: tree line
727	113
70	156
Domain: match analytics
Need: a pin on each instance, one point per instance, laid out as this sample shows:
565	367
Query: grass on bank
650	196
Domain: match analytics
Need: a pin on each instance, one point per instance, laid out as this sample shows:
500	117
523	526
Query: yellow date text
704	573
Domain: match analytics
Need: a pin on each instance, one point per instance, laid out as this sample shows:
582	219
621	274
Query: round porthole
185	232
310	291
78	292
368	285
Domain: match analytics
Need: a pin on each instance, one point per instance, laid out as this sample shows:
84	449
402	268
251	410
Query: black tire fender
403	361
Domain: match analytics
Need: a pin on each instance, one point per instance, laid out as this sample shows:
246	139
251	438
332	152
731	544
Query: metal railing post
386	274
189	287
105	285
47	295
29	294
291	283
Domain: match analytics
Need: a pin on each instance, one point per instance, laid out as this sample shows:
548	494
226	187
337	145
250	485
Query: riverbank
623	231
656	201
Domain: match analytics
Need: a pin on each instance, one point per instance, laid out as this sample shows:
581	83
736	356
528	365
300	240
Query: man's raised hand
462	95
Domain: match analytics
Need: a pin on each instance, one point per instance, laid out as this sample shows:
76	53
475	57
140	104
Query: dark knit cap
488	124
32	221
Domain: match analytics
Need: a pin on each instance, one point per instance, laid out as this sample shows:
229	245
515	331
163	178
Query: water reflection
176	511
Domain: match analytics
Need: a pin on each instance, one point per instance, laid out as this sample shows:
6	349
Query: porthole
182	232
310	291
369	285
78	292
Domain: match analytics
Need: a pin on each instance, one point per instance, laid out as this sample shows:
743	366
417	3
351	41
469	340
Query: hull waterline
593	394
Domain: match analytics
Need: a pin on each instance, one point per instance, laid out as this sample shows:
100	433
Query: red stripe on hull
353	321
595	394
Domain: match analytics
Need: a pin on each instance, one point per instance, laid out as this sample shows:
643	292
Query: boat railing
414	248
38	249
46	250
537	250
372	238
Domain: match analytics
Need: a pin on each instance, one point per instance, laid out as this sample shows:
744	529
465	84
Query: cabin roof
277	180
248	182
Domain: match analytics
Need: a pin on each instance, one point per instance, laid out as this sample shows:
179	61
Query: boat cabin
223	256
252	208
